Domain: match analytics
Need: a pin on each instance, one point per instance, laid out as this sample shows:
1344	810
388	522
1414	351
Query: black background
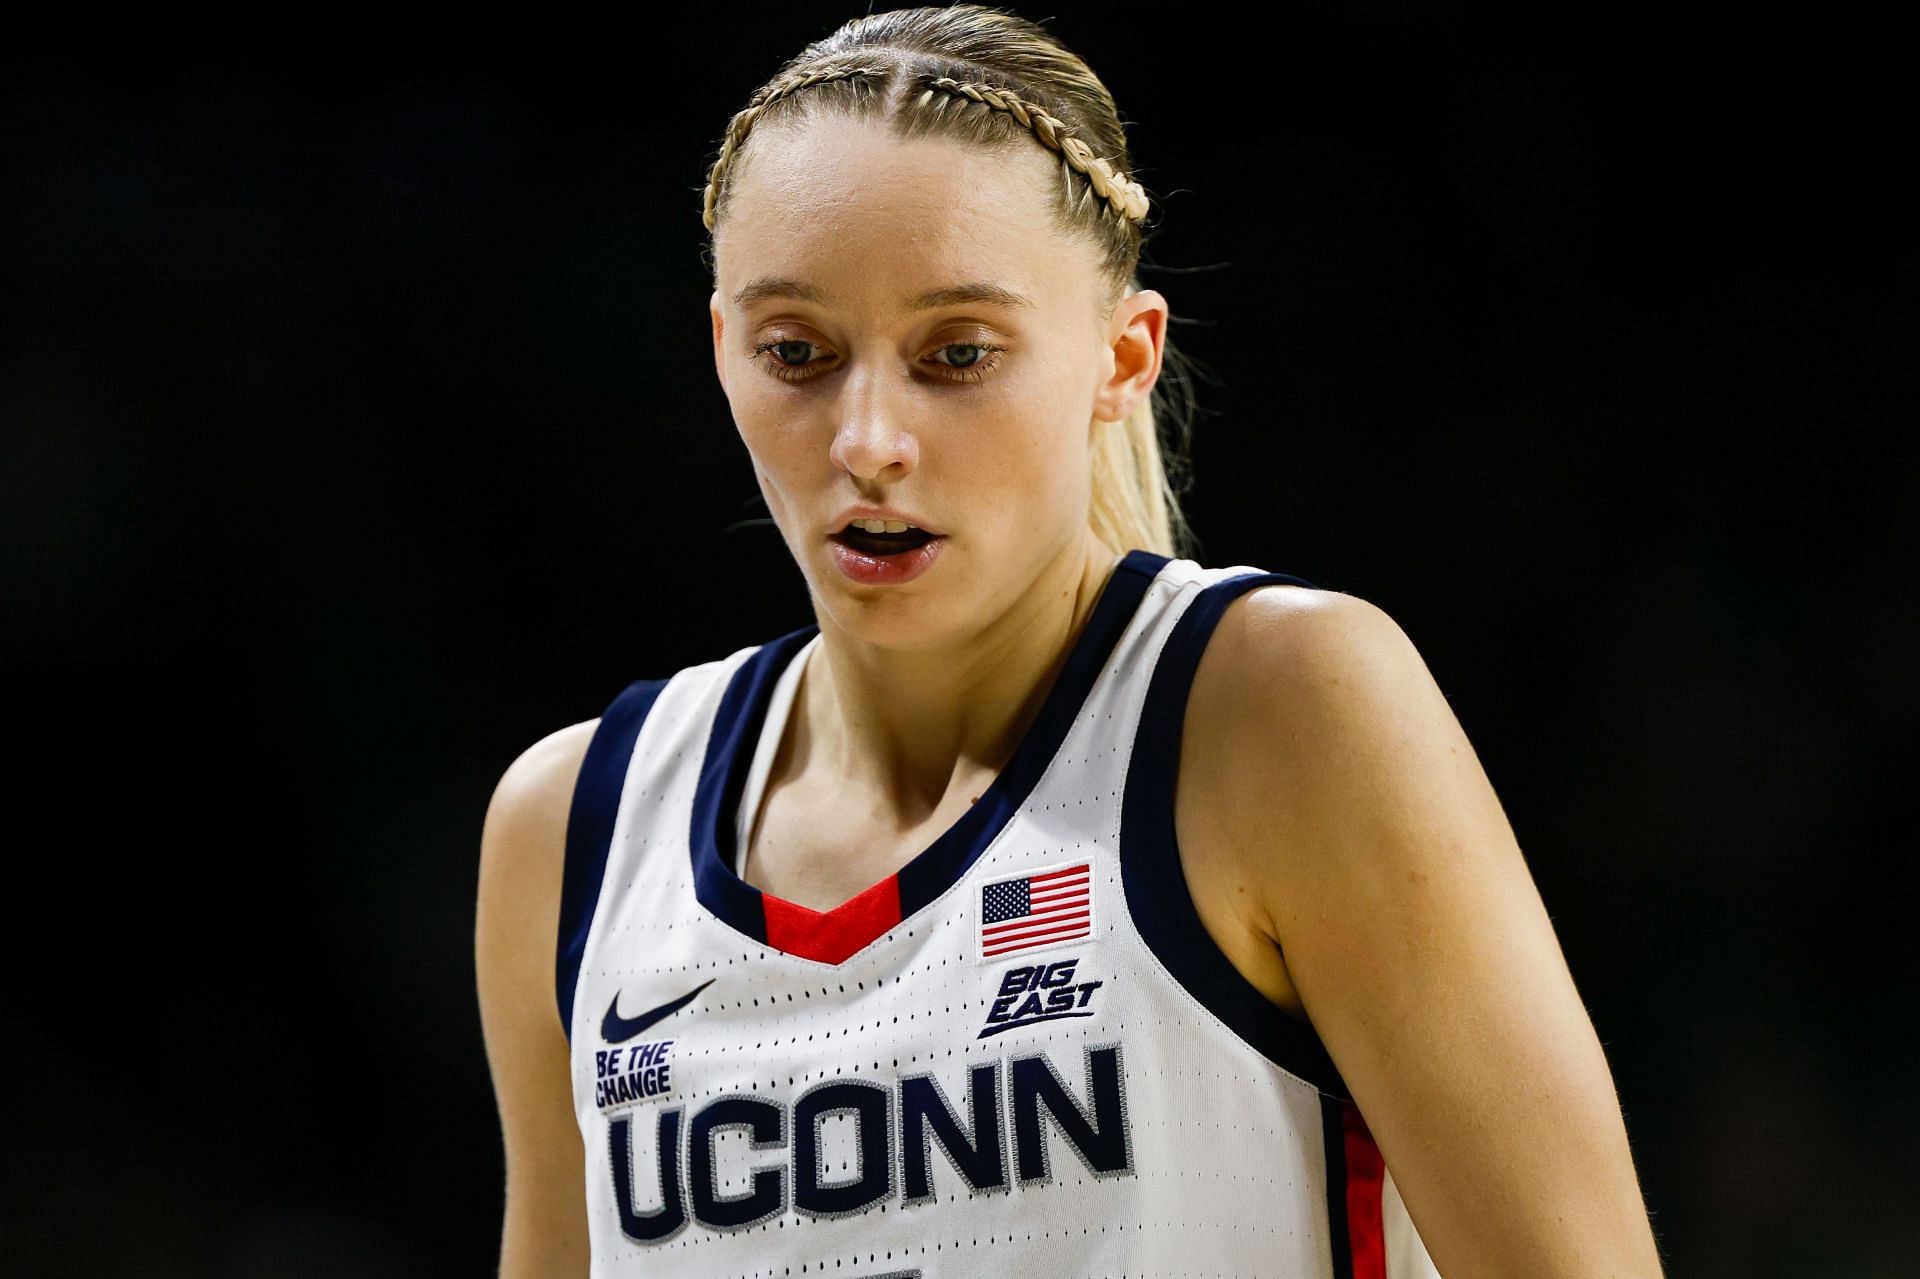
361	428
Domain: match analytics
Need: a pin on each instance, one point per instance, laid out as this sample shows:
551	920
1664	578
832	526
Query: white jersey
1021	1054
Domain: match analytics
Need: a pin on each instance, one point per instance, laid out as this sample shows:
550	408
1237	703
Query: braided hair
776	90
1125	196
985	77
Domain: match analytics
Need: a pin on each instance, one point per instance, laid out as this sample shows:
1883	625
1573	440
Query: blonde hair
986	77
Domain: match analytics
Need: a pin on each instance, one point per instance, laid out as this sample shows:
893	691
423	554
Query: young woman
1051	905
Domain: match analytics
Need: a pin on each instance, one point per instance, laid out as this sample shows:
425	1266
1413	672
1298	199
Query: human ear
719	326
1138	336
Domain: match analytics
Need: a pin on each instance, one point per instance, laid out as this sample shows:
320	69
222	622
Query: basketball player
1050	905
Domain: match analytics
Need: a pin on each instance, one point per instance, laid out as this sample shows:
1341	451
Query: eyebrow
953	295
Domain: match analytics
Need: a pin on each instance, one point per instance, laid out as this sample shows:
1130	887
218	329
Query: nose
872	439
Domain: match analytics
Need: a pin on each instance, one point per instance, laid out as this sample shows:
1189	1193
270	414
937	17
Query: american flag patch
1046	909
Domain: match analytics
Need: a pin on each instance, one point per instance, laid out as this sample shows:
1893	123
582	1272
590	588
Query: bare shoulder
542	776
533	797
1293	681
1295	639
522	861
1290	680
522	855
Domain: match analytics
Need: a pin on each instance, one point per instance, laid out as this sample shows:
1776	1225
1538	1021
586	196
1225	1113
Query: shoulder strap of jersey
596	803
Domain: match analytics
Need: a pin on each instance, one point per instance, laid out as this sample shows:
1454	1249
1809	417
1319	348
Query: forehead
842	205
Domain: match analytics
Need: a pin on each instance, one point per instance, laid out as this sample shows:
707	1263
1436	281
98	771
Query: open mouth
883	544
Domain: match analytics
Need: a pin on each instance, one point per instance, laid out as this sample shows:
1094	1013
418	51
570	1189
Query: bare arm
1387	874
522	851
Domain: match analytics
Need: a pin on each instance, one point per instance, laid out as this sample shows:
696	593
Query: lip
885	570
867	511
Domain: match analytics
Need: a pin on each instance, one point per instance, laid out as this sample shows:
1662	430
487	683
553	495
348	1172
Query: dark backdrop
361	428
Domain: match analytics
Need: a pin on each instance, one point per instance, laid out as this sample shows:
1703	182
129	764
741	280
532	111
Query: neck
908	727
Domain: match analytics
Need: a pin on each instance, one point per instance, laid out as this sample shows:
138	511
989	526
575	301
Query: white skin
925	687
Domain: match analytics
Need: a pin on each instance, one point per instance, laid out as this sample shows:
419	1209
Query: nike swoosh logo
616	1029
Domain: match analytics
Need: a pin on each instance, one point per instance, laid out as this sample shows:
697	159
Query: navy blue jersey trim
743	710
596	803
723	779
1333	1133
1156	886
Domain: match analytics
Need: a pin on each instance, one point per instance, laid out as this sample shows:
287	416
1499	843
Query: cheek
763	416
781	454
1038	469
1061	440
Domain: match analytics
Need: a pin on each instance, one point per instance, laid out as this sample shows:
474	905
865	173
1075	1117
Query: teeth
881	526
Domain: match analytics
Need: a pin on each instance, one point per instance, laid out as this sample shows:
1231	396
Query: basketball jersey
1021	1054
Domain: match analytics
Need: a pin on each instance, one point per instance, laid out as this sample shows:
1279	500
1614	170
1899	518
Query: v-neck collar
833	935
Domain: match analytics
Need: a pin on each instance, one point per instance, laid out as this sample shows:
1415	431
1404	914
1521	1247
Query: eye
984	359
790	360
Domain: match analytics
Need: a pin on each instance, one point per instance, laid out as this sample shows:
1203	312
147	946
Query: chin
921	608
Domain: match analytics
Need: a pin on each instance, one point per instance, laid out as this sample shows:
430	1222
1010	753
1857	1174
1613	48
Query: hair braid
1126	196
919	72
742	124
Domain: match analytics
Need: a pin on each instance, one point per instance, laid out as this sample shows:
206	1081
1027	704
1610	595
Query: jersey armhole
1157	894
590	821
